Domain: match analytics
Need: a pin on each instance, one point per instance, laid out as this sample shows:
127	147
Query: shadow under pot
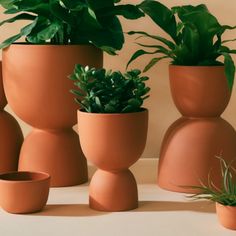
24	192
113	142
36	83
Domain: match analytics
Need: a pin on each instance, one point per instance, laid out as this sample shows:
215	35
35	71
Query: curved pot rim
225	206
142	111
45	177
26	45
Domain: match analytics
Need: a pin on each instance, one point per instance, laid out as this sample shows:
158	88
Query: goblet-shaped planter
113	142
191	143
11	137
37	87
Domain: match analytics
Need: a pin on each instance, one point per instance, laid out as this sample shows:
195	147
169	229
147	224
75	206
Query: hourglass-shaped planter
38	90
191	144
113	142
11	137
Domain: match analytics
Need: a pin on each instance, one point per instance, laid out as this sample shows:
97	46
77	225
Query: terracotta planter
38	91
11	137
24	192
191	143
199	91
113	142
226	216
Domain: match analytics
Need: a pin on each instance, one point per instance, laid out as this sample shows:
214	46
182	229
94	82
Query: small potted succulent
113	129
201	86
224	197
61	33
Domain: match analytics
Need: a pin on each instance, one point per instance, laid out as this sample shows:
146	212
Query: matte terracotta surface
226	216
38	91
11	139
199	91
113	142
3	100
113	191
11	136
57	153
189	149
23	192
38	87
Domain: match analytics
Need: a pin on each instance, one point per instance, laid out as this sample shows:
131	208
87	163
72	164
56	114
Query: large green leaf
161	15
23	16
229	69
167	42
99	4
9	41
128	11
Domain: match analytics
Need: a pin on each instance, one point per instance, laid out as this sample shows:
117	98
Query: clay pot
188	152
11	137
38	91
226	216
199	91
24	192
113	142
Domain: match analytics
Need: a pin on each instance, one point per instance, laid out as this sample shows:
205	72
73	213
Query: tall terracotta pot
191	143
11	137
37	87
113	142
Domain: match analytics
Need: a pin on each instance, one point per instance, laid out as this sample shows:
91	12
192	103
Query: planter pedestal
11	136
38	90
191	144
113	191
113	142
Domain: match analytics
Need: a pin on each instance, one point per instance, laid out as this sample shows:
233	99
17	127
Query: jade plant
105	91
226	194
194	37
70	21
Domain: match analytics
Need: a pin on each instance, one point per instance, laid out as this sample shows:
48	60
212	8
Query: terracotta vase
226	216
191	144
113	142
38	90
11	137
24	192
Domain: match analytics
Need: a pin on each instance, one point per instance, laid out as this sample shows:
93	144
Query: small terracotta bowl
24	192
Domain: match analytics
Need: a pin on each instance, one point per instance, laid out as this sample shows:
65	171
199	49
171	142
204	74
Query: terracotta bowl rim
25	44
44	177
225	206
142	111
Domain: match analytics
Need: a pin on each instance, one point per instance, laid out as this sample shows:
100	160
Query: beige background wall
160	105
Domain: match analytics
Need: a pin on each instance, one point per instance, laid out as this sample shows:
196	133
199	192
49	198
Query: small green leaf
9	41
153	62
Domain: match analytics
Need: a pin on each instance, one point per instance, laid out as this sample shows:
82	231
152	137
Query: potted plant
201	86
60	34
224	197
113	131
11	136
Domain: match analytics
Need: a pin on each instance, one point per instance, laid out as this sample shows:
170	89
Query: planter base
189	150
57	153
11	139
113	191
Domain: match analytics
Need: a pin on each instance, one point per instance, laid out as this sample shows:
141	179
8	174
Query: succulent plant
101	91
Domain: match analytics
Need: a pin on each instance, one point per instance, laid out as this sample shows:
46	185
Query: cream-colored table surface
161	213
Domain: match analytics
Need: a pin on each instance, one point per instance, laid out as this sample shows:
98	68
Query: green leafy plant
70	21
101	91
226	195
195	37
